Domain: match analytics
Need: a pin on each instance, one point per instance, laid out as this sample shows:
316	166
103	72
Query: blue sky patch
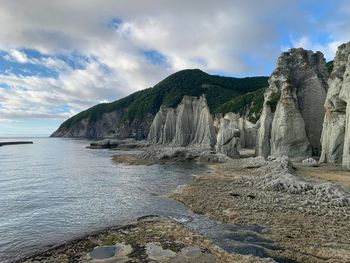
155	57
115	23
8	66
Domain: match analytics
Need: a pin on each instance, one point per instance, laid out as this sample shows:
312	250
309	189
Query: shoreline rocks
294	208
15	143
118	144
162	155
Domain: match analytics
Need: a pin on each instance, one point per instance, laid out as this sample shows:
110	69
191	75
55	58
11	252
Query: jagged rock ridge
292	116
190	124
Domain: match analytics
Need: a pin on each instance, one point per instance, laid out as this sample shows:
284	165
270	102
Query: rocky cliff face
336	126
292	116
190	124
110	125
228	138
247	129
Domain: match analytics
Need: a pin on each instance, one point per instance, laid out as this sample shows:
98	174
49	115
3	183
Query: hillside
134	112
249	104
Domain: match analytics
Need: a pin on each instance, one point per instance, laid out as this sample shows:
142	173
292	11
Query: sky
58	58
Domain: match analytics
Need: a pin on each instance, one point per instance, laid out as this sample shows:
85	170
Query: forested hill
143	104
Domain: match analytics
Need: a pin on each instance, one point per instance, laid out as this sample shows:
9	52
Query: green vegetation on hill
170	92
330	66
250	103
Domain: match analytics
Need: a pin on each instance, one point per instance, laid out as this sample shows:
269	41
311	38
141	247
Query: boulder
292	116
310	162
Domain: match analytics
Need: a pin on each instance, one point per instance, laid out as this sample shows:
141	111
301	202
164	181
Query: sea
57	189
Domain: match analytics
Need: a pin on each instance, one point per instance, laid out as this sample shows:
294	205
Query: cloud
328	48
93	51
17	56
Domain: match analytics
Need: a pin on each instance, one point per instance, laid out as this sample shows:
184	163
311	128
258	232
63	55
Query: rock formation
163	126
228	137
292	116
248	133
247	129
110	125
336	126
234	125
190	124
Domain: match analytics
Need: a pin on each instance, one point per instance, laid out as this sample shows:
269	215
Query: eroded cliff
336	128
292	116
190	124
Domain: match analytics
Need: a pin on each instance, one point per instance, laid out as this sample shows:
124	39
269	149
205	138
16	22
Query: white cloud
212	35
328	48
16	56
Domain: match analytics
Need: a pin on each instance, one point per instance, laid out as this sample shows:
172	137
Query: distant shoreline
15	143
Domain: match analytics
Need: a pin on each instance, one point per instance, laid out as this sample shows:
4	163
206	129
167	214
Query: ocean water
57	189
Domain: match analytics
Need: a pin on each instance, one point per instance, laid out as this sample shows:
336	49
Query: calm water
56	189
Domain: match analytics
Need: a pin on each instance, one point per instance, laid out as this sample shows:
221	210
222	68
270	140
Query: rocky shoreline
149	239
306	217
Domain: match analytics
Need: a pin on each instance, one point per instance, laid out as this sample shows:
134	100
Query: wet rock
157	253
193	254
187	254
118	144
103	252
